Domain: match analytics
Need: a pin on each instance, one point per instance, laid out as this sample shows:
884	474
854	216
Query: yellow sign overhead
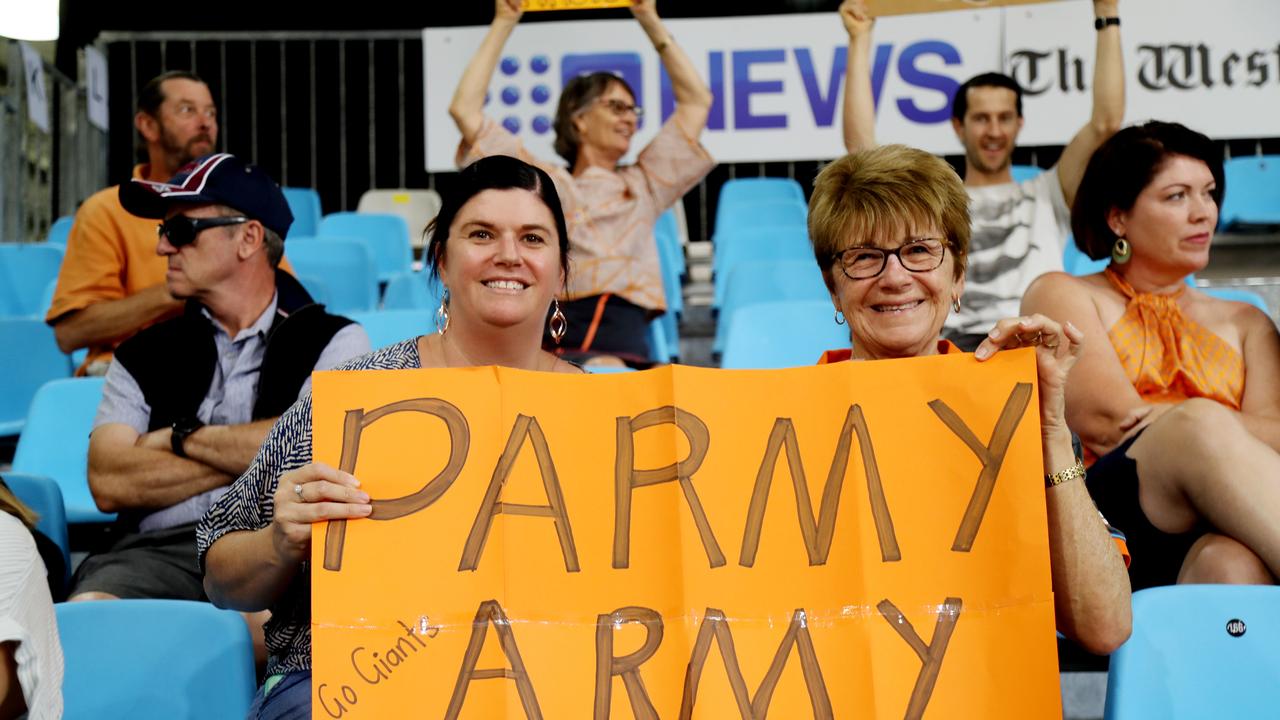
863	539
535	5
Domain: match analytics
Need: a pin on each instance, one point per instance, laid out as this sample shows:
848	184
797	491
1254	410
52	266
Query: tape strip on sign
536	5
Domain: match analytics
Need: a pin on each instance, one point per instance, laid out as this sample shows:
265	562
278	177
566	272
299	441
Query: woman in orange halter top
1180	407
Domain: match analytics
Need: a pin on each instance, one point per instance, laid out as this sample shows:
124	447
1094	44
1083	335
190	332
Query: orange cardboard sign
851	540
881	8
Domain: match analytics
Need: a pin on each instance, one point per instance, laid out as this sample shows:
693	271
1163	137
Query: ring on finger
297	489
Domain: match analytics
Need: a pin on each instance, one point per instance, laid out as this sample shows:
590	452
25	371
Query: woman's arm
1091	592
467	106
247	570
1260	407
693	97
1102	406
858	119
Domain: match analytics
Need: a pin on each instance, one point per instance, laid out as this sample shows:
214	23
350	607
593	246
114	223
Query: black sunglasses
182	230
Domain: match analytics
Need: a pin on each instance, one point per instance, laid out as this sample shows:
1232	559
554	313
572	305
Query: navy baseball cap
218	179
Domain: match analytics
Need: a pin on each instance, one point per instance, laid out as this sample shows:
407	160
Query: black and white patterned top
248	505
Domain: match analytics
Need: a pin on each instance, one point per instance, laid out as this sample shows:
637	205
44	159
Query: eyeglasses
182	230
620	108
916	255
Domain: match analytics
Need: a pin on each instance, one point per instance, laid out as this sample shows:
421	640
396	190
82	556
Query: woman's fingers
1031	331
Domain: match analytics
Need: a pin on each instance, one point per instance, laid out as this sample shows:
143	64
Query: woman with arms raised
500	248
890	231
1177	396
617	281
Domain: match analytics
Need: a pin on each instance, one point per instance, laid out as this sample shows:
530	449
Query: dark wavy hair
1125	164
960	103
580	93
496	172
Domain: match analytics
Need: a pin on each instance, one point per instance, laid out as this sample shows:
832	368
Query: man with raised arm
1019	229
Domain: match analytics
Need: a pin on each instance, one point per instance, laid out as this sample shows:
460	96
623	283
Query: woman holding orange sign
890	230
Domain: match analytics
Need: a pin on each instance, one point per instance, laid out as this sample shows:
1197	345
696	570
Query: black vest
173	362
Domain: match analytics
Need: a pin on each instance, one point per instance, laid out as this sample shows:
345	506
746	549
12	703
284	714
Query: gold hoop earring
558	324
955	304
442	314
1121	251
839	317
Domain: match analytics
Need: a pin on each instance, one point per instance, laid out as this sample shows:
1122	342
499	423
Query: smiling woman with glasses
890	230
612	209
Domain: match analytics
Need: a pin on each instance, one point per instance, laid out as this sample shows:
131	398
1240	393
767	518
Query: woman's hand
310	494
508	10
857	21
644	9
1057	349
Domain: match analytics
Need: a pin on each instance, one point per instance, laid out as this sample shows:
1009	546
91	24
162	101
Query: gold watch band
1065	475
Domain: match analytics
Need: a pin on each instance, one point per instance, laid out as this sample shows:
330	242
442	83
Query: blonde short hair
892	188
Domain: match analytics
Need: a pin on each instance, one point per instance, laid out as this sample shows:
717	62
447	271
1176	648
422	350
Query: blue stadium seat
608	369
387	327
386	235
43	495
1022	173
153	659
60	229
757	281
25	270
769	242
1253	192
754	217
29	357
782	334
1075	262
412	291
659	346
1238	294
671	263
667	225
55	443
751	191
1198	651
304	203
343	265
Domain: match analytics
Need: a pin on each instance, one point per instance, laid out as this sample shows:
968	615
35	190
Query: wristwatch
1102	22
182	428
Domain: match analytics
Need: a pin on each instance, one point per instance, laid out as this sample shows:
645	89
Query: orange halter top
1170	358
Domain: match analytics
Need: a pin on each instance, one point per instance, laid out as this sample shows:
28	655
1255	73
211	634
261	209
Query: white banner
779	80
95	81
37	91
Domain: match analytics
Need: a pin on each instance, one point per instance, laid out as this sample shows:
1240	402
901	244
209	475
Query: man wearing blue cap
187	402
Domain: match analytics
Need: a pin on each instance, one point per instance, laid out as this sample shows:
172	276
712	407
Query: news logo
525	93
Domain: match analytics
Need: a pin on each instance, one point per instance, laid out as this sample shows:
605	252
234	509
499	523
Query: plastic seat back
1252	200
60	229
153	659
386	235
304	203
45	497
748	191
55	443
418	207
782	334
29	358
412	291
344	266
388	327
25	270
1198	651
769	242
758	281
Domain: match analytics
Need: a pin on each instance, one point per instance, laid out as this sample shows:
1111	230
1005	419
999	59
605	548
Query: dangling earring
1121	251
442	314
558	324
839	317
955	304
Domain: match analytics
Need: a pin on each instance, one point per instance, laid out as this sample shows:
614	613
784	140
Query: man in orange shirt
112	282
